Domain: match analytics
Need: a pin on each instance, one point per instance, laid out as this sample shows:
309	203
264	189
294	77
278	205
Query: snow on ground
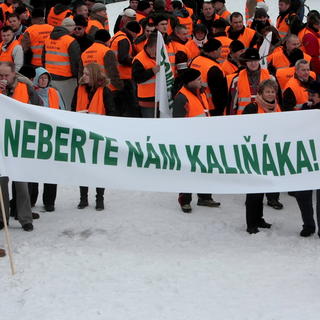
142	258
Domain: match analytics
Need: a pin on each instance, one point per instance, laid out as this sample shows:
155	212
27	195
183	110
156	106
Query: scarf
266	106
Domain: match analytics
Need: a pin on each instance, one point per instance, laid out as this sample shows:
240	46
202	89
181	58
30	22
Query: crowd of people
59	54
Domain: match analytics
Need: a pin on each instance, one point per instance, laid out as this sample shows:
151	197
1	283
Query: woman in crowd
93	96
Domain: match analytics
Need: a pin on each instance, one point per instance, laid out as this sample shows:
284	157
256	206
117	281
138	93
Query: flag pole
6	231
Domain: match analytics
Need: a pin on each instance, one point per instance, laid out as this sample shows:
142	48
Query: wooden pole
6	231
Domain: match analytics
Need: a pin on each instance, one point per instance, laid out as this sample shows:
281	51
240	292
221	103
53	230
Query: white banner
232	154
164	79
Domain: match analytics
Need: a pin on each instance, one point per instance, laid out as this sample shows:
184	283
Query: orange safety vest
283	26
171	56
177	46
57	59
279	59
305	44
197	106
38	33
204	64
300	93
138	46
301	34
21	93
53	98
97	24
7	55
5	8
244	94
96	105
261	110
225	15
146	89
245	37
285	74
194	50
225	50
124	71
140	16
56	19
188	23
228	67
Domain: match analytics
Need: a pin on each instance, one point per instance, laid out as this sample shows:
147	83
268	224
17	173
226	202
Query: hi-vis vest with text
96	105
124	71
38	33
204	64
146	89
225	41
244	93
57	59
56	19
7	55
300	93
197	106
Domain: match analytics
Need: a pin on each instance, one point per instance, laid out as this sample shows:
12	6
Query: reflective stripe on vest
57	59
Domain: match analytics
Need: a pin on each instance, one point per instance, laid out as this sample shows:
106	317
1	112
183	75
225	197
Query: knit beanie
190	75
211	45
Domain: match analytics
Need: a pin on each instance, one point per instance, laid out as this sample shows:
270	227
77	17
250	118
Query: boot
263	224
83	198
275	204
307	232
252	230
99	199
208	203
186	208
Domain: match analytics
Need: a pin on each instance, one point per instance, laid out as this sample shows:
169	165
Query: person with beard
281	58
265	102
287	21
295	92
59	12
237	31
199	38
79	33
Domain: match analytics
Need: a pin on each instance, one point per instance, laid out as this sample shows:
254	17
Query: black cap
251	54
133	26
314	87
236	45
189	75
158	18
212	45
219	24
80	20
37	13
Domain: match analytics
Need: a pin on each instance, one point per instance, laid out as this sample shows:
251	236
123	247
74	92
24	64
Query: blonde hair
97	76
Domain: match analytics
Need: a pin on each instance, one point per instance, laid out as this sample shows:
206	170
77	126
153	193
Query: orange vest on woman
95	105
56	19
204	64
244	94
57	59
7	55
53	98
261	110
300	93
21	93
38	33
197	106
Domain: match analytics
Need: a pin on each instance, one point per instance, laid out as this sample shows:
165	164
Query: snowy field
143	259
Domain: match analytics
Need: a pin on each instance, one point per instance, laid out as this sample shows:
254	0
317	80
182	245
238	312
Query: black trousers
254	209
84	193
186	198
304	200
49	193
273	196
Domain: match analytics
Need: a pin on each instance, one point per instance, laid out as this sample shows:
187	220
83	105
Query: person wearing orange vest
122	45
183	16
141	40
15	23
281	58
126	16
79	32
266	102
17	88
51	98
244	86
81	9
221	10
144	70
192	102
93	96
212	76
218	32
237	31
199	38
99	52
207	16
98	19
58	13
287	21
61	57
5	8
143	10
10	49
34	37
251	6
232	64
311	41
295	93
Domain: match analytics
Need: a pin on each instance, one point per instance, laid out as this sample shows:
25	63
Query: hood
39	72
59	8
58	32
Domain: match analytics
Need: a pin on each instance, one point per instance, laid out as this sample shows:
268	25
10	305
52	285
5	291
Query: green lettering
28	138
44	144
11	138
